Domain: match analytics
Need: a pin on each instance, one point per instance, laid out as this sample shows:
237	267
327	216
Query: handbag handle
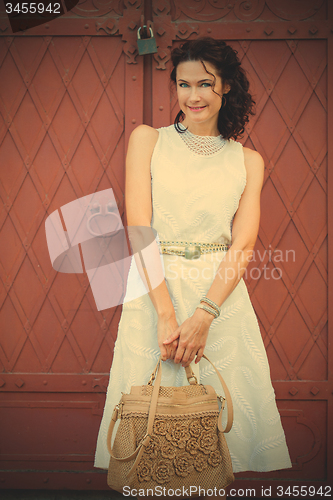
190	375
191	378
138	452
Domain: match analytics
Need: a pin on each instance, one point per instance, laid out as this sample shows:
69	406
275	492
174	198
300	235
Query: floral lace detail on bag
208	422
161	427
153	447
177	447
207	442
192	445
144	469
183	464
178	434
162	471
200	462
168	451
214	458
195	428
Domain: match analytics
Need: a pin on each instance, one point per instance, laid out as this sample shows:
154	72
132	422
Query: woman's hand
192	337
166	325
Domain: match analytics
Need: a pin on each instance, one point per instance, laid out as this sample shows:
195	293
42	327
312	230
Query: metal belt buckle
192	252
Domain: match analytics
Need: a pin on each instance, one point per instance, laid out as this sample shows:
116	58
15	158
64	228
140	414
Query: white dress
195	195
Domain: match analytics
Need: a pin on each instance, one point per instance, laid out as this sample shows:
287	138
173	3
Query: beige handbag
170	440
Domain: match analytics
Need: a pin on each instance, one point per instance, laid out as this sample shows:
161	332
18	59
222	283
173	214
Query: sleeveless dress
195	194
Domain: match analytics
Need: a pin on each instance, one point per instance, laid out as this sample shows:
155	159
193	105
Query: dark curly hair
239	104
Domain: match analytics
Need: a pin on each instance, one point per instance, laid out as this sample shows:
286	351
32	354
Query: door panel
288	276
62	136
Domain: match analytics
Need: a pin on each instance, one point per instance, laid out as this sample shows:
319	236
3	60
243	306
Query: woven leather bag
170	437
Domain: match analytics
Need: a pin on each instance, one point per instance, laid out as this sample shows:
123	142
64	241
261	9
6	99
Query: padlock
146	45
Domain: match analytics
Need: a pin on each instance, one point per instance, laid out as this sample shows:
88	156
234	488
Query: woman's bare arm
138	198
245	229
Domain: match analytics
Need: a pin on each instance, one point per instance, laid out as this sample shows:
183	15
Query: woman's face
195	92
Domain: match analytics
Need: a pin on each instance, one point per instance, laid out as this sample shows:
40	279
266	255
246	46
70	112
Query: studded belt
191	250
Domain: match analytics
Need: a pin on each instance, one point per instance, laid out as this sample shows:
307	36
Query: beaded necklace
202	144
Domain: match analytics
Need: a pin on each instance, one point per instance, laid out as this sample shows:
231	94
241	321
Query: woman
193	183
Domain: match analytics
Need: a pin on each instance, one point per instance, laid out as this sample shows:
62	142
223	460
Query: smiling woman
221	70
199	189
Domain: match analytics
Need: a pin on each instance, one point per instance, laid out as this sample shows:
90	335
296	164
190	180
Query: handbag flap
186	391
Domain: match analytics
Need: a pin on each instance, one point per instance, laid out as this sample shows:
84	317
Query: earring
224	102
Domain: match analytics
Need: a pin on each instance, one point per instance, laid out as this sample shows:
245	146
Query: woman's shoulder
254	164
252	157
251	161
145	137
147	131
144	133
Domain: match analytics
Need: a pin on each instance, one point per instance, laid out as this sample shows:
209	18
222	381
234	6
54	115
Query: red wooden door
70	93
286	47
67	107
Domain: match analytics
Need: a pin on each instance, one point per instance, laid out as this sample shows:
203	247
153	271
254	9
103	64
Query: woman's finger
172	337
199	354
179	354
173	349
164	353
189	359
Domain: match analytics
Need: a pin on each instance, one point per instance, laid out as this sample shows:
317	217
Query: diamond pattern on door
288	81
70	90
290	131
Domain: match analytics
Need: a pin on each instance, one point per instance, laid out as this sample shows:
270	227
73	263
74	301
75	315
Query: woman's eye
185	85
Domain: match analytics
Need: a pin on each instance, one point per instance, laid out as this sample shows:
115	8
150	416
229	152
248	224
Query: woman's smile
196	108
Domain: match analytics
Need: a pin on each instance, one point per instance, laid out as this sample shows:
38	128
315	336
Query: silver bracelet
211	304
208	309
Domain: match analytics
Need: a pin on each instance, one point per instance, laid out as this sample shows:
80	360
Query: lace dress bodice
197	183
